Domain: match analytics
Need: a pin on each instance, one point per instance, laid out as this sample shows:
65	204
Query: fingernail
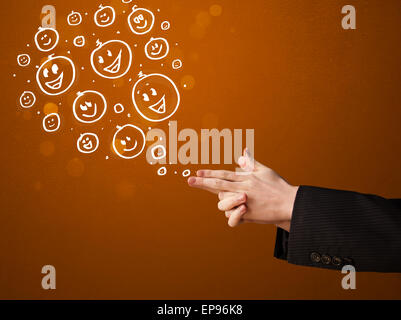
191	180
199	173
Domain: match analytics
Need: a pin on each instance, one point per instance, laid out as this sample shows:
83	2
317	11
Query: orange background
325	106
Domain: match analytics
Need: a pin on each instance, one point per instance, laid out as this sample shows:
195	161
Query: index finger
214	184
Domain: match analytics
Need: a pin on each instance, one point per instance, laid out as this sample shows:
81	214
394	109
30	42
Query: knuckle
226	175
207	173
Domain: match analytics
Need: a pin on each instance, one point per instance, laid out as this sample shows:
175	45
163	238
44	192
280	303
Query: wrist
288	207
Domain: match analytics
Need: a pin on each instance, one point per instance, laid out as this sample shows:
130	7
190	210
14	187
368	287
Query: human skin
255	195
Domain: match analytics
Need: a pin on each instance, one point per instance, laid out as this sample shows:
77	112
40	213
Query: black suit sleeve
333	228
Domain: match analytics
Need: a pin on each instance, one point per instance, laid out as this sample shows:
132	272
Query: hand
257	195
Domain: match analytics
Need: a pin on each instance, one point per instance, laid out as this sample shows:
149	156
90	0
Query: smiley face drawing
111	59
176	64
51	122
79	41
89	106
46	39
27	99
141	20
23	60
128	141
87	143
74	18
155	97
157	48
105	16
56	75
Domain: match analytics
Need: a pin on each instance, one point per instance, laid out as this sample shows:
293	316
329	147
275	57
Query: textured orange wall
325	106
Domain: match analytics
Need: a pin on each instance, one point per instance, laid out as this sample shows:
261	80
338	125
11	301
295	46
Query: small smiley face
165	25
89	106
79	41
156	48
105	16
27	99
128	141
23	60
176	64
155	97
74	18
56	75
51	122
141	20
46	39
87	143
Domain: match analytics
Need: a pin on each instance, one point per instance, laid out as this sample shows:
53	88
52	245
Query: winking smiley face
46	39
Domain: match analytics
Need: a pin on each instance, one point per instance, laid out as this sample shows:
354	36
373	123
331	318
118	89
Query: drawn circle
186	173
27	99
155	97
79	41
126	141
56	75
46	39
118	108
162	148
141	20
89	106
51	122
87	143
165	25
112	59
176	64
157	48
23	60
162	171
104	16
74	18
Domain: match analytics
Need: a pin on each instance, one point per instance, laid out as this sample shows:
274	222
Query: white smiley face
111	59
74	18
27	99
87	143
89	106
157	48
129	141
79	41
46	39
141	20
105	16
23	60
56	75
51	122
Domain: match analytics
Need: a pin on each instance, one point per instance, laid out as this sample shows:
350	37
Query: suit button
315	257
326	259
336	261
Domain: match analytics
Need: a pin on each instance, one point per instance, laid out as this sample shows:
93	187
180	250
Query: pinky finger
235	215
